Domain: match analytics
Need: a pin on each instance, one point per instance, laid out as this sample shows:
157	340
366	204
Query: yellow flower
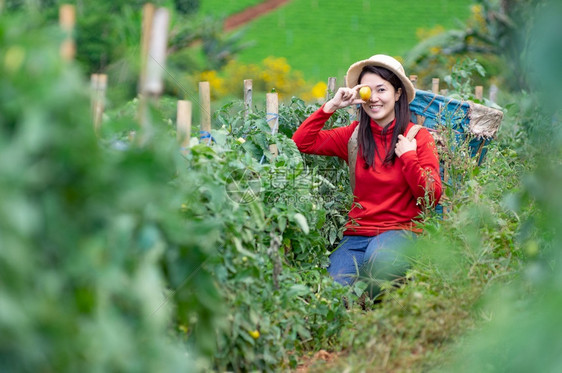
478	15
254	334
316	93
215	82
476	9
271	72
319	90
423	33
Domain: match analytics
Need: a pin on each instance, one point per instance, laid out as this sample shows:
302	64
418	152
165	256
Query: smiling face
380	107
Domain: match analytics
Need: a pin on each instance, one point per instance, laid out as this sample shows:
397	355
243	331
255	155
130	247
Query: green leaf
301	221
282	223
359	287
332	236
240	248
297	290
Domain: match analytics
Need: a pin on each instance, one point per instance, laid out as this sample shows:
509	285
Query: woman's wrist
329	108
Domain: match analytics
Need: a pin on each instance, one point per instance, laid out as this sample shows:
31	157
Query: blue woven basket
463	117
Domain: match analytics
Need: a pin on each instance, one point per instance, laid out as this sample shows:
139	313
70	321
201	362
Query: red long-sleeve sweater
387	197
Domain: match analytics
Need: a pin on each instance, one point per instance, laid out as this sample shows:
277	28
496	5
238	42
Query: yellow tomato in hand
365	93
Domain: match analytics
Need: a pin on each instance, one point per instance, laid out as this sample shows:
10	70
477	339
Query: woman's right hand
344	97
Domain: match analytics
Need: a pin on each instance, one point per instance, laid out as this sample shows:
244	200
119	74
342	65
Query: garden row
127	254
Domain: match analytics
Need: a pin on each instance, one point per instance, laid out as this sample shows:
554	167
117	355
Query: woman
392	176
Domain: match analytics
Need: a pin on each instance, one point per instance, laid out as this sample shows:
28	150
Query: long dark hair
401	112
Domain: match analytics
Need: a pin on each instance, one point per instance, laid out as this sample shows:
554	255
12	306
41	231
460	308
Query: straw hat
387	62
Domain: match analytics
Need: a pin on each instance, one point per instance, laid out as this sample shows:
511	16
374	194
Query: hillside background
305	32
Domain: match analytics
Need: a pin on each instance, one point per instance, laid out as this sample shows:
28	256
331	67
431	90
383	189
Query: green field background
222	8
322	38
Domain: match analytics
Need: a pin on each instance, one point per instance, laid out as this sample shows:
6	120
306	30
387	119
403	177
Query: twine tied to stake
273	116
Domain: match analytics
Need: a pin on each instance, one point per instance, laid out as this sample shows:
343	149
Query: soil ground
247	15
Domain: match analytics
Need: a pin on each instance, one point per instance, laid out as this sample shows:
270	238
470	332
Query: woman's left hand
404	145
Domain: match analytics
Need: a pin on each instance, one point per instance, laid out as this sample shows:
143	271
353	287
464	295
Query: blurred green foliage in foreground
523	330
82	227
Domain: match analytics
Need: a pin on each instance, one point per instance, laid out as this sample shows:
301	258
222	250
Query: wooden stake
67	17
156	62
147	19
414	80
493	93
67	20
205	102
435	85
351	110
331	88
100	81
183	124
247	97
153	56
93	92
272	115
479	92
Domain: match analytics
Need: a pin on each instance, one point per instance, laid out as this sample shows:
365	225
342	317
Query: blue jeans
376	258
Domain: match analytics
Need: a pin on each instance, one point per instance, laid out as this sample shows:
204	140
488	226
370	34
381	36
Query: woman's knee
387	260
347	260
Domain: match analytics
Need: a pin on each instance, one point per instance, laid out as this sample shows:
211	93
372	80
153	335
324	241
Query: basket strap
413	131
352	150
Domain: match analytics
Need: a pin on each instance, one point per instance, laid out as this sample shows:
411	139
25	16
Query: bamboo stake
99	99
331	88
67	17
247	97
435	85
67	20
147	19
156	58
351	110
205	102
479	92
414	80
183	124
93	92
493	93
272	112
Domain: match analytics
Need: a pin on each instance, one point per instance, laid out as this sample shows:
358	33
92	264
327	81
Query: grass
322	38
223	8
